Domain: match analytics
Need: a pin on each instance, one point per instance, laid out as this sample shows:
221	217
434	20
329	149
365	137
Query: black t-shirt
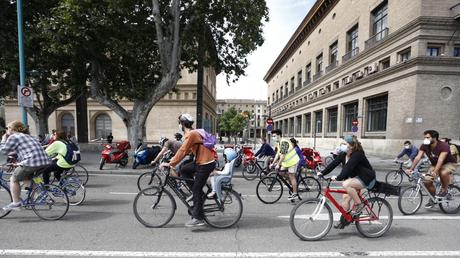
433	154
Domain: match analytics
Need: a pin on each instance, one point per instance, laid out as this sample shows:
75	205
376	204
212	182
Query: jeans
52	168
201	173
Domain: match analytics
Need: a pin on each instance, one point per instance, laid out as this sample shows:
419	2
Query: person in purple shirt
302	162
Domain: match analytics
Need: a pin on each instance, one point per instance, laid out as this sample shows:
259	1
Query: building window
377	114
332	120
299	79
385	63
277	95
298	124
319	121
433	50
103	126
333	54
380	22
68	124
308	73
194	96
291	90
286	89
352	41
457	51
307	125
319	64
404	55
350	114
273	96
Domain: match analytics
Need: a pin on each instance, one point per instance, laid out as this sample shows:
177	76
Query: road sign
269	121
25	96
354	129
354	123
269	127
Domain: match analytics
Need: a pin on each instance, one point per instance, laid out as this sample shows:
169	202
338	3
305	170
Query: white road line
122	193
337	216
223	254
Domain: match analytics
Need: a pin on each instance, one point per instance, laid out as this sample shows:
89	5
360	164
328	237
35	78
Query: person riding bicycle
357	173
286	159
217	176
454	149
167	145
302	162
442	164
31	156
57	149
265	152
410	150
203	165
178	137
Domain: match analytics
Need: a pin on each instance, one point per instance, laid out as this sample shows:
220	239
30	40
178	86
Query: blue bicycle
49	202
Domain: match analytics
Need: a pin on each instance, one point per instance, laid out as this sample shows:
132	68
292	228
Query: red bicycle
312	218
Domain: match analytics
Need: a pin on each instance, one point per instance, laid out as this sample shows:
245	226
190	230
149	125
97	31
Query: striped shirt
30	151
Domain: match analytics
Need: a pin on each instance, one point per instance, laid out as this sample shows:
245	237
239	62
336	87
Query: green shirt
60	149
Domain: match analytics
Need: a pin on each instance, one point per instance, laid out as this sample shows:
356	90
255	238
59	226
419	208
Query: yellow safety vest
291	158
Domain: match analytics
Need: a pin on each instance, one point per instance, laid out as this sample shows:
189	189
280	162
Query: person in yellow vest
286	159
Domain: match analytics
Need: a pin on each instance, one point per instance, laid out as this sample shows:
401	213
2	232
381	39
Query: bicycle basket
387	189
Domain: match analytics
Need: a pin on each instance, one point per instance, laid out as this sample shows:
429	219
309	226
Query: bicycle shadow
104	202
395	232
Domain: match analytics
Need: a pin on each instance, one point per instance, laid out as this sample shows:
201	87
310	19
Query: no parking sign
25	96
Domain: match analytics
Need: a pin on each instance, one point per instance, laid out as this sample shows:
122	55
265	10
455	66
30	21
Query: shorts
449	167
369	186
290	170
23	172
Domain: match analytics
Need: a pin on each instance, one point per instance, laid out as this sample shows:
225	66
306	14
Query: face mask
343	148
275	138
407	146
426	142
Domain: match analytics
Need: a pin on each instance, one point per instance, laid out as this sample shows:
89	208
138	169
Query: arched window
103	126
68	124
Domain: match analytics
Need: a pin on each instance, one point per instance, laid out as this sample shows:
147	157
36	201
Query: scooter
119	156
143	155
313	159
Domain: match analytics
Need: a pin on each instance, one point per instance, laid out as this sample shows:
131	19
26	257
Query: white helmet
186	120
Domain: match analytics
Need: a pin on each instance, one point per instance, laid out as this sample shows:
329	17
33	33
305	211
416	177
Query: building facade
162	120
258	114
385	70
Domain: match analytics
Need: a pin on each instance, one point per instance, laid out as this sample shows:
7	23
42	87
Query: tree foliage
232	122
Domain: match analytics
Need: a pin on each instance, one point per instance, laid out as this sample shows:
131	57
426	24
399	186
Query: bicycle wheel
5	199
80	172
74	190
148	179
269	189
154	207
394	178
250	173
308	187
328	160
410	200
308	221
451	204
375	219
49	202
223	213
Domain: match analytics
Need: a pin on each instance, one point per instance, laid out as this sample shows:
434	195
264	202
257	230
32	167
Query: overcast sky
285	17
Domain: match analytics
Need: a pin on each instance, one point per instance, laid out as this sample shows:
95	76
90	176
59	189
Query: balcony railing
332	66
291	92
317	76
305	83
350	54
376	38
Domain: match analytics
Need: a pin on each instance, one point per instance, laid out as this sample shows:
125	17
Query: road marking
122	193
223	254
337	217
120	175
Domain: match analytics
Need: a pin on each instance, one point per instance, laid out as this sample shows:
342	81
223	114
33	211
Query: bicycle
396	177
74	189
312	218
153	177
48	202
81	172
411	198
254	170
154	207
270	188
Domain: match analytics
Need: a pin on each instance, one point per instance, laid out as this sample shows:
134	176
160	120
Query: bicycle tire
373	208
75	191
149	205
328	160
148	179
250	174
394	178
269	189
302	219
101	163
308	187
452	204
226	214
5	199
251	166
81	172
410	200
238	161
49	202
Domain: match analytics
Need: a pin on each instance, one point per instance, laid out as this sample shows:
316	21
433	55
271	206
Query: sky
285	17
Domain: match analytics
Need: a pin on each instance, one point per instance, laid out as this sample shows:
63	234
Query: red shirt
433	154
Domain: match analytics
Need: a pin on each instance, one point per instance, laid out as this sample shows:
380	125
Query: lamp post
22	65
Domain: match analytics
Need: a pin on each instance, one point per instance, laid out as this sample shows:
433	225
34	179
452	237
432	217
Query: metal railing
305	83
350	54
332	66
317	76
376	38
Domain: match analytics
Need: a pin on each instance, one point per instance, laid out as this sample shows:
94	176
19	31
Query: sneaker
194	223
430	204
358	209
342	223
211	194
292	197
13	206
441	194
190	198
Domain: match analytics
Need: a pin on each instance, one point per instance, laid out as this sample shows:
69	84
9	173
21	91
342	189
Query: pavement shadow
255	222
87	215
104	202
97	185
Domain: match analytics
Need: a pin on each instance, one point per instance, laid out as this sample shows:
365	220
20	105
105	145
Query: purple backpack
209	140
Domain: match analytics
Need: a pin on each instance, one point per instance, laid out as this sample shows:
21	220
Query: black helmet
186	120
178	136
162	141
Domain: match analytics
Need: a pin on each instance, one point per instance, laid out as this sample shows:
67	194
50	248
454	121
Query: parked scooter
143	155
313	159
119	156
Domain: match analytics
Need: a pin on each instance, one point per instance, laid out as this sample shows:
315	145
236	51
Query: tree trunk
42	126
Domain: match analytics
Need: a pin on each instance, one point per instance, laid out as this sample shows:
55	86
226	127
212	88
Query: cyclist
31	156
167	145
442	163
357	173
286	159
203	165
57	149
178	137
265	152
410	150
454	149
302	162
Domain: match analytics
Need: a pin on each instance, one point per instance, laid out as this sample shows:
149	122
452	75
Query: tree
136	49
232	122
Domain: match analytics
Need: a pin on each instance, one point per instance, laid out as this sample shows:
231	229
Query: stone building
162	120
391	66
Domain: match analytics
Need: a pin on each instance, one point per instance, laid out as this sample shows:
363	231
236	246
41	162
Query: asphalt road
104	225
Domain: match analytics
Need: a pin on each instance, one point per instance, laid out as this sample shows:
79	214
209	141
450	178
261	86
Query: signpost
25	96
354	126
269	123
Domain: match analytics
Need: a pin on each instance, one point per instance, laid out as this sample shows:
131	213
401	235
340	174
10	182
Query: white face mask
426	142
275	138
343	148
407	146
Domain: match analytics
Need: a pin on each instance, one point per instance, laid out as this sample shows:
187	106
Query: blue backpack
209	140
72	155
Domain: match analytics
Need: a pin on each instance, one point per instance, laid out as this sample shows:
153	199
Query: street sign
269	121
354	123
25	96
354	129
269	127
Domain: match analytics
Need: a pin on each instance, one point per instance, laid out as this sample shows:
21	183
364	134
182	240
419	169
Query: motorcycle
313	159
143	155
118	156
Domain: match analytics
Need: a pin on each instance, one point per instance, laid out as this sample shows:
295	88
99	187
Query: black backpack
72	155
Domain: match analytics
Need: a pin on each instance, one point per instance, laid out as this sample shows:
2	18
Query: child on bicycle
218	177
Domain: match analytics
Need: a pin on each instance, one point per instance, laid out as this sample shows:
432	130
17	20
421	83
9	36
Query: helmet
186	120
178	136
162	141
230	154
